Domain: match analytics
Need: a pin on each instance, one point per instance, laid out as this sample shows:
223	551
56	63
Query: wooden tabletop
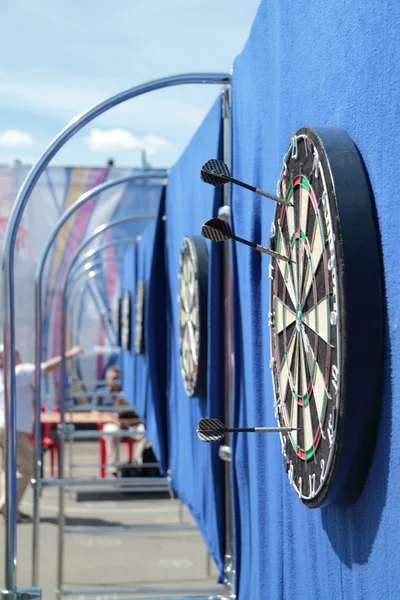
93	416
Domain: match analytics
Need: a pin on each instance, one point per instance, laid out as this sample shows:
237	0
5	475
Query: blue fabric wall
144	375
312	62
150	368
196	469
128	363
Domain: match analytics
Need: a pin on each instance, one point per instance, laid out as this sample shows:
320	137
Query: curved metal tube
8	287
75	278
38	334
64	376
79	296
63	382
72	281
98	231
93	251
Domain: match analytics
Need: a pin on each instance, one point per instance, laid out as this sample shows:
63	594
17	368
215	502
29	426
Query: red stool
103	450
48	442
54	450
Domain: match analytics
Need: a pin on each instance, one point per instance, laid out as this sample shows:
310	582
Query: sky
60	57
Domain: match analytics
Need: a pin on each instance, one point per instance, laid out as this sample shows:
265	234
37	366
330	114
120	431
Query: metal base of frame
125	528
144	590
21	594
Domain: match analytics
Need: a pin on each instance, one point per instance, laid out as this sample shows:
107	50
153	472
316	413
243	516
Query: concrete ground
131	559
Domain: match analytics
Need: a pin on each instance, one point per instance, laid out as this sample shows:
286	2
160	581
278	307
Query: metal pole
76	277
90	253
63	384
25	191
38	339
228	324
64	376
74	281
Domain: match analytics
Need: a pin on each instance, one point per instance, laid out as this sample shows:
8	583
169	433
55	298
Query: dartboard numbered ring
318	314
192	305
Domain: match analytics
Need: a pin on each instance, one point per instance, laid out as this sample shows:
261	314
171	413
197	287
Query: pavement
97	561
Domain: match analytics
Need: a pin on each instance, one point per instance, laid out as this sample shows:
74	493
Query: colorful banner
57	189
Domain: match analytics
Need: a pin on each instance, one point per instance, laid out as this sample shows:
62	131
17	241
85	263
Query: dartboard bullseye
309	319
192	300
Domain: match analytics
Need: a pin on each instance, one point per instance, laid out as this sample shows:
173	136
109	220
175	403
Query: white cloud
120	139
13	137
66	97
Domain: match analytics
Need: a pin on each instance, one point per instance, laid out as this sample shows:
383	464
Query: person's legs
112	447
24	464
2	473
141	444
24	467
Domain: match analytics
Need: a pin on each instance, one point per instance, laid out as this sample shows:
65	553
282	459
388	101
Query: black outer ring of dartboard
199	254
126	341
139	337
358	268
119	322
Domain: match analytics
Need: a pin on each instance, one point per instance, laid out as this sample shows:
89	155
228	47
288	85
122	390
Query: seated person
125	420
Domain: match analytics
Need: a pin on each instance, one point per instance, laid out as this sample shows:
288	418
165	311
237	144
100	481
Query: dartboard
126	320
316	313
119	322
192	302
139	320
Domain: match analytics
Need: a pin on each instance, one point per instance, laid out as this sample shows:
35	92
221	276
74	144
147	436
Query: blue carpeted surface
128	363
150	368
144	375
312	63
196	470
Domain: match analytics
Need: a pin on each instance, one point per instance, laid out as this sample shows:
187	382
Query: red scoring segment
300	180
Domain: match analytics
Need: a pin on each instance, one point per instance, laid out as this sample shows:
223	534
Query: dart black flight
213	430
215	172
218	230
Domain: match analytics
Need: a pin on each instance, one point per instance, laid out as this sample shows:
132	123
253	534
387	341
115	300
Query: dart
212	430
218	230
215	172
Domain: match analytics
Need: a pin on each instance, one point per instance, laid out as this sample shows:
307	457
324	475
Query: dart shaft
258	191
272	253
260	429
259	248
272	429
272	197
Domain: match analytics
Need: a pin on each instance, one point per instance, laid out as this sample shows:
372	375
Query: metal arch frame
8	291
81	200
40	272
87	266
90	253
64	378
90	273
68	283
76	276
63	381
39	326
94	251
73	281
63	437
